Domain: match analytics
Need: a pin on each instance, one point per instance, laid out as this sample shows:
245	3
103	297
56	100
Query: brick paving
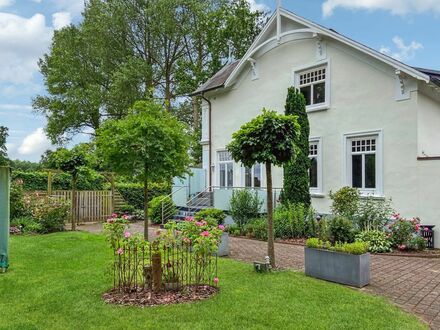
410	282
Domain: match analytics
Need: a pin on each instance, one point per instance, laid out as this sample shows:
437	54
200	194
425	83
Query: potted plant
347	263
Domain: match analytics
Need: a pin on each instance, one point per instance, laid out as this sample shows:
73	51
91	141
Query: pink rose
127	234
189	218
120	251
402	247
216	280
199	224
125	217
186	240
111	220
221	227
114	215
205	233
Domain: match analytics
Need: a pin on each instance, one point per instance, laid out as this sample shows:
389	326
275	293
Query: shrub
341	230
373	214
127	209
417	243
217	216
138	215
233	230
294	220
17	204
155	209
244	206
402	230
27	225
50	213
345	202
257	228
378	241
322	229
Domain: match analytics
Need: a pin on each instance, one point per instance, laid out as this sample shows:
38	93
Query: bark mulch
145	298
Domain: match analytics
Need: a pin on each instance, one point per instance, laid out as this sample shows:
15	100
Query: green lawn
56	281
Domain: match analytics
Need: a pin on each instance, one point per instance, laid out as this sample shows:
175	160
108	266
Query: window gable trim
347	152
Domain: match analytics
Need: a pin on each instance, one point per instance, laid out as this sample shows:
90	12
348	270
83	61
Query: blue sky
405	29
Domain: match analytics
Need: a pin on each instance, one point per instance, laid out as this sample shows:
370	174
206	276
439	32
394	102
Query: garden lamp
4	217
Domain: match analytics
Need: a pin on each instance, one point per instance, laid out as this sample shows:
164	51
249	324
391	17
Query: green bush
341	230
345	202
138	215
417	243
233	230
27	225
127	209
351	248
244	206
294	220
133	193
17	205
50	213
218	216
373	214
323	229
155	209
256	228
378	241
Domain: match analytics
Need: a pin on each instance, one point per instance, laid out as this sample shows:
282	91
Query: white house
374	121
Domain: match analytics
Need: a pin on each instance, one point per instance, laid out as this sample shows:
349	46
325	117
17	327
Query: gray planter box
338	267
223	248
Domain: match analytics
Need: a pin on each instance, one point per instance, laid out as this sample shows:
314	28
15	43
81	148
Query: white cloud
34	144
403	52
396	7
6	3
256	6
61	19
23	41
74	7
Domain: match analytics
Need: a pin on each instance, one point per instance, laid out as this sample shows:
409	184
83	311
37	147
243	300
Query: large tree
3	149
268	139
149	145
296	174
128	50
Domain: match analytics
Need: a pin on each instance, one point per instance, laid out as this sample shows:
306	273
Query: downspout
209	142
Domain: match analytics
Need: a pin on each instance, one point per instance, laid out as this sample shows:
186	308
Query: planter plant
347	263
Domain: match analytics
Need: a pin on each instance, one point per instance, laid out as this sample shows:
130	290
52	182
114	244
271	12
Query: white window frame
243	176
310	67
219	162
317	191
347	170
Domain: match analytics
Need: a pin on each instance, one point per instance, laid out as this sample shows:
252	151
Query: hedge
37	181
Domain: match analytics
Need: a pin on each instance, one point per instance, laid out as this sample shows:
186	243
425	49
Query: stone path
412	283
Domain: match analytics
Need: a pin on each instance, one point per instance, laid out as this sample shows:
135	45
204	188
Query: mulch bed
435	253
145	298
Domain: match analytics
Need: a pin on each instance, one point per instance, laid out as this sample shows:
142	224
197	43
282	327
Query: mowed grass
56	282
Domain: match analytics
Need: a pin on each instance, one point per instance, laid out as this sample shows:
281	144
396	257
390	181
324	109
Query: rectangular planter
343	268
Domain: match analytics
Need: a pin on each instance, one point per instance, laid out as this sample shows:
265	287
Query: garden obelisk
4	217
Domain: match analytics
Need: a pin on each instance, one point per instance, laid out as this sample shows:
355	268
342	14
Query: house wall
363	98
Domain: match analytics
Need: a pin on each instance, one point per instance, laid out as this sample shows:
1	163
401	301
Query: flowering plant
114	229
403	231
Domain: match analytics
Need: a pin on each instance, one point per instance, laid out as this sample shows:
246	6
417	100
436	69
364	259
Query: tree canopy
296	173
129	50
149	144
269	139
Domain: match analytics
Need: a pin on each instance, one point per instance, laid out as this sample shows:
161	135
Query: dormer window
313	82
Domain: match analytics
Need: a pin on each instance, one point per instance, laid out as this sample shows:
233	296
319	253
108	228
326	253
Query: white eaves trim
326	32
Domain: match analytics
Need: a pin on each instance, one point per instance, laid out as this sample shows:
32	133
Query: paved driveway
412	283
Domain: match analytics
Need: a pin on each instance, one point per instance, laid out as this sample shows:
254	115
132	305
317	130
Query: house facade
374	121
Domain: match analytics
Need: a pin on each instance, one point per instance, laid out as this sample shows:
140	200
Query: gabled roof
217	80
228	74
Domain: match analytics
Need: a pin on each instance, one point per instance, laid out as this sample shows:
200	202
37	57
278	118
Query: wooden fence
91	206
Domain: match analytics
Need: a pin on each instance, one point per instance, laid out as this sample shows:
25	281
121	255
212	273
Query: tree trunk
146	208
270	234
74	202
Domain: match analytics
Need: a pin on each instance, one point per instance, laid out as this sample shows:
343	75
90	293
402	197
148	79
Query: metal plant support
4	217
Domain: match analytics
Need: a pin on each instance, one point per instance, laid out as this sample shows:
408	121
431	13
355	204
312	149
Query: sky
405	29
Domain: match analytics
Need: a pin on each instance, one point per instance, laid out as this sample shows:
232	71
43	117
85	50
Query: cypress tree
296	174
